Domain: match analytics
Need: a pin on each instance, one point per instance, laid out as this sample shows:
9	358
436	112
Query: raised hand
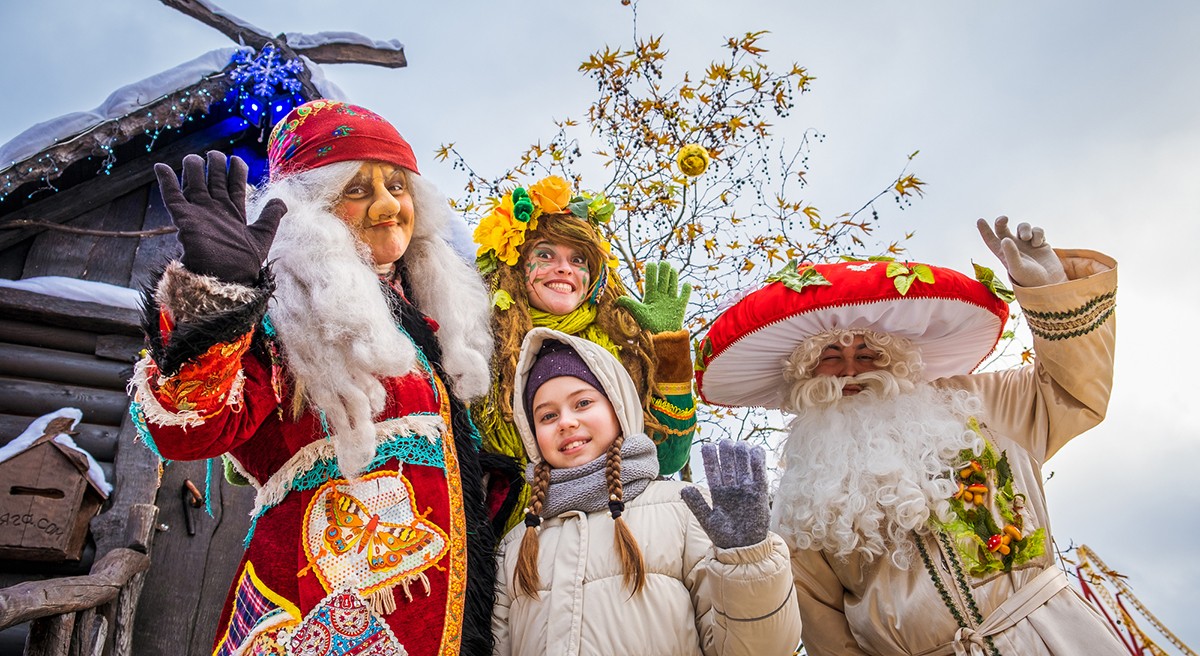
210	213
664	304
1026	255
737	481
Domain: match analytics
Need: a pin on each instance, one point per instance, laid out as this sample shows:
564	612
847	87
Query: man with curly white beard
911	490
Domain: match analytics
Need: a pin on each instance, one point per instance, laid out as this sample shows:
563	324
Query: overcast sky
1083	117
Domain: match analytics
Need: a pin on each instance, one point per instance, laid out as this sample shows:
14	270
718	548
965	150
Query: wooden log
63	207
37	599
122	348
31	307
50	636
56	366
82	636
99	636
357	53
135	481
126	614
139	536
98	440
240	32
99	406
139	531
41	335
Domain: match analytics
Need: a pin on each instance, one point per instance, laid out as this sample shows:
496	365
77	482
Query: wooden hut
82	228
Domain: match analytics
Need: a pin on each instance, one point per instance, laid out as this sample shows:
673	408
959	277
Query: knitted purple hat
553	360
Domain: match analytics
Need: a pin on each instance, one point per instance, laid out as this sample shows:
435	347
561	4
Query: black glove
211	217
739	516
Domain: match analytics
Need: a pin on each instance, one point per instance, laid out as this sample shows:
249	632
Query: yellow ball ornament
692	159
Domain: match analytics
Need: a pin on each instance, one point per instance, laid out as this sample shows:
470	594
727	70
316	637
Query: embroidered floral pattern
205	386
343	625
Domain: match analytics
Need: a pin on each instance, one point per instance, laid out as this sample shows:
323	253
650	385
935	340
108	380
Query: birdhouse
46	500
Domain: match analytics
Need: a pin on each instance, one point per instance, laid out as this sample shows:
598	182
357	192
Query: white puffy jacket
698	599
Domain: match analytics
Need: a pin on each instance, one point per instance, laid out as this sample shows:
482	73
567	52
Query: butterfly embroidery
353	527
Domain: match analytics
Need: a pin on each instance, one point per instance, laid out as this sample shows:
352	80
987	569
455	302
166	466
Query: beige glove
1027	256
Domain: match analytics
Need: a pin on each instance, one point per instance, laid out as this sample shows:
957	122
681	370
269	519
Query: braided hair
632	562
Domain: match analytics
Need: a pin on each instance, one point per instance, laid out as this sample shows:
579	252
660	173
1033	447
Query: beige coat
852	607
698	599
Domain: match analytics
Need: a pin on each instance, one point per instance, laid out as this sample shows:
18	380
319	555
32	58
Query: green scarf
581	321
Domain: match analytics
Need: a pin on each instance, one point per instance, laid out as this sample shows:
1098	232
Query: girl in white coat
612	561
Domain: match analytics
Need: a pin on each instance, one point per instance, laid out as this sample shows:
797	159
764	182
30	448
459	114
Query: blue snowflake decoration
266	70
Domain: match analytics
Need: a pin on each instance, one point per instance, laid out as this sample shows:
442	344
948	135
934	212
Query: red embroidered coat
373	566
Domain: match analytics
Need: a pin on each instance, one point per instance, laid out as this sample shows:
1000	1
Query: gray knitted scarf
584	487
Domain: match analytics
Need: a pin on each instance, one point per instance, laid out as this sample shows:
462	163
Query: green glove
664	304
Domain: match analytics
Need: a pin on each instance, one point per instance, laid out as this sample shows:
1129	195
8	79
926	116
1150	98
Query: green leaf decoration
904	277
579	207
924	273
850	258
989	280
486	263
1003	469
798	280
1032	546
502	299
601	209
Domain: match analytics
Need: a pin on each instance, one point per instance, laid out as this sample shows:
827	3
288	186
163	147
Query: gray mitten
1026	255
737	480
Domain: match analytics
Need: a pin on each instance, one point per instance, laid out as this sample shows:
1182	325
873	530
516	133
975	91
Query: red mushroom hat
953	319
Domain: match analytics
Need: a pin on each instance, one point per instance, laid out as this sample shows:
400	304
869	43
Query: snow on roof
130	98
119	103
78	290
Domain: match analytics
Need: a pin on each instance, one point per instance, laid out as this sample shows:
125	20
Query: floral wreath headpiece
501	232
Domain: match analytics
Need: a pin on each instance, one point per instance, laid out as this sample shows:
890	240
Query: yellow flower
692	159
501	233
551	195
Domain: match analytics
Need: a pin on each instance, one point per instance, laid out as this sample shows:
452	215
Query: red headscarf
322	132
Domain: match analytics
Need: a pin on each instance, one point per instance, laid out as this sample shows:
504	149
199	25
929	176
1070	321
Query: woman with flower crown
547	264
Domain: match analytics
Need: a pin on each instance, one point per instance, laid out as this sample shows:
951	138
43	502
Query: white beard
338	334
862	472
